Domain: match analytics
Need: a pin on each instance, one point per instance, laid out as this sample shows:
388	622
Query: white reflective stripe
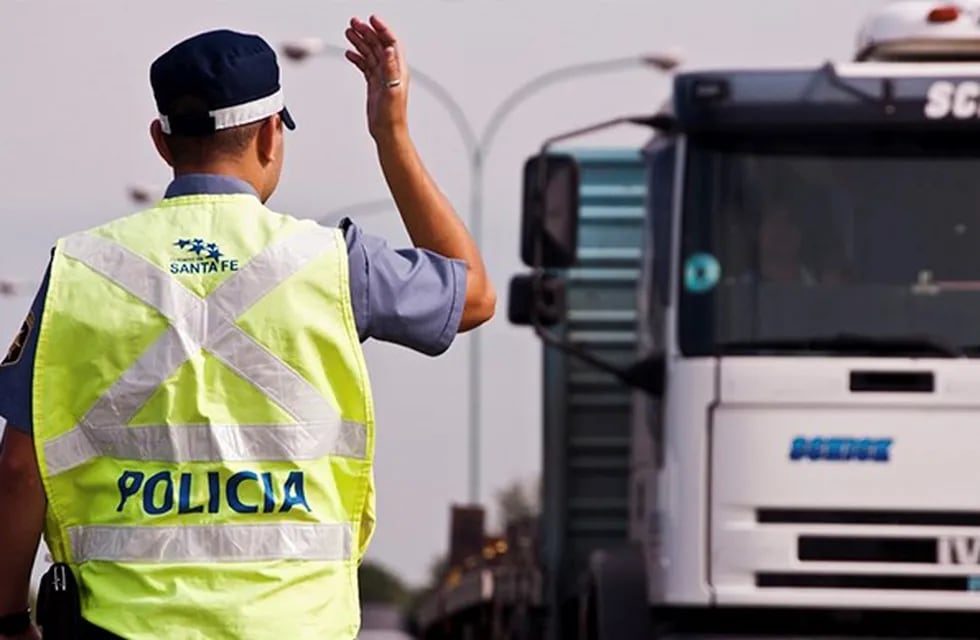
212	543
67	451
208	324
139	277
278	382
240	351
131	391
268	268
207	443
202	323
240	113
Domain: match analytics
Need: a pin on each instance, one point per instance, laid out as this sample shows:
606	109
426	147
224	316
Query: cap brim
287	119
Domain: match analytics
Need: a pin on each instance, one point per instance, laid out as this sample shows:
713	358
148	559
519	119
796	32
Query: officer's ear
268	139
160	142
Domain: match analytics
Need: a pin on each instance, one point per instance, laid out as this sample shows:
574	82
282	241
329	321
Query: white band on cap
240	114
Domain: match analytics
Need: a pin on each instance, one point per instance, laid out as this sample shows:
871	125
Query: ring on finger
391	84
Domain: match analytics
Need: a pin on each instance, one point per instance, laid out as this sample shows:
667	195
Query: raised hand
378	55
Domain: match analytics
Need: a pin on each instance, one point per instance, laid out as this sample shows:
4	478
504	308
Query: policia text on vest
242	492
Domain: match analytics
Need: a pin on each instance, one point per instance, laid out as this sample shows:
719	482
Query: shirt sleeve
410	297
17	367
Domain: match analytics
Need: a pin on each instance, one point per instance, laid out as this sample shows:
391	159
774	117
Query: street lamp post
478	148
662	62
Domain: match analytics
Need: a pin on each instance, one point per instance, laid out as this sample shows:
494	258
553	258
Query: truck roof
921	30
876	95
857	69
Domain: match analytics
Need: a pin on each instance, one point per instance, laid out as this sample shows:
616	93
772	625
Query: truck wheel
616	607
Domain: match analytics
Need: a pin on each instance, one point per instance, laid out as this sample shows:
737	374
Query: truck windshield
831	244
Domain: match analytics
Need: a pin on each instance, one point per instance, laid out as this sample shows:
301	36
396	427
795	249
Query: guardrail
497	589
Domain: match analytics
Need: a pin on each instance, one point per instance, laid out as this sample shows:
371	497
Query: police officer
190	421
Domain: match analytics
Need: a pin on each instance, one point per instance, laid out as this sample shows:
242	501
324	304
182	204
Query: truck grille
881	549
842	516
864	581
864	549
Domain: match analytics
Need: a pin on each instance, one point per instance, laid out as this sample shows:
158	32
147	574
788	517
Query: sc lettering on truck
865	449
960	100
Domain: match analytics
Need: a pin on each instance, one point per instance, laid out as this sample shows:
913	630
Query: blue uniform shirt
410	297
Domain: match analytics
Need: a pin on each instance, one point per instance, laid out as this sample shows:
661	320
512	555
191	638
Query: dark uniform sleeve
410	297
17	367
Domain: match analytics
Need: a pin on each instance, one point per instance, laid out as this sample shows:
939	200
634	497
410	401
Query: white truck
807	423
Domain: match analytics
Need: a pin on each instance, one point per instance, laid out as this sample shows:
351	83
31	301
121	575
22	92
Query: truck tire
615	604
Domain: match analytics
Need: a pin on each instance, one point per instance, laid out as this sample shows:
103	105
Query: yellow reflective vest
204	424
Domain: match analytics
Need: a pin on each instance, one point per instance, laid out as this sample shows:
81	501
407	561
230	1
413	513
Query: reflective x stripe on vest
206	323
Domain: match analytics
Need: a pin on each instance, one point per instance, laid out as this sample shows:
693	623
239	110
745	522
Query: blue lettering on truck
164	492
867	449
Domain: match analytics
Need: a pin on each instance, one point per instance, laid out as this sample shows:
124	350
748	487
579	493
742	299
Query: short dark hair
196	150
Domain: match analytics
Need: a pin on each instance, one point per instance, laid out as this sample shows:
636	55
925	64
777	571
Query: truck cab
808	358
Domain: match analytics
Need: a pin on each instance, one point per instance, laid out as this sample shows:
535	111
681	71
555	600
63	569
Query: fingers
358	61
392	68
393	58
369	36
363	48
377	49
385	34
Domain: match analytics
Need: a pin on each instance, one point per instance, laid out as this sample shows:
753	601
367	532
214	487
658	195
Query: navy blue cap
217	80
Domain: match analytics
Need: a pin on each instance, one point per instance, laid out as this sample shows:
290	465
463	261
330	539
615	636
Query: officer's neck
230	168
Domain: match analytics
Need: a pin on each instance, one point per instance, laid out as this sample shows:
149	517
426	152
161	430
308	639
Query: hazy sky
76	106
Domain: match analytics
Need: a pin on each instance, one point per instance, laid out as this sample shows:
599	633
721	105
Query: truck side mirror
550	211
550	300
